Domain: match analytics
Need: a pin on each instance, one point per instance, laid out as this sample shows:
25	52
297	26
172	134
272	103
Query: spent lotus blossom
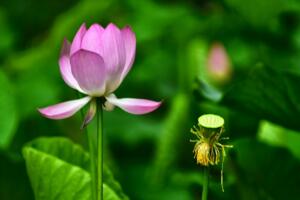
95	64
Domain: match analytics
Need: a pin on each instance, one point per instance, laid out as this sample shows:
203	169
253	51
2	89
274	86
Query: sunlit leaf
57	169
52	178
280	136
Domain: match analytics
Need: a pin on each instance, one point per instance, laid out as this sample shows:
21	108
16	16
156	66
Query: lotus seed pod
211	121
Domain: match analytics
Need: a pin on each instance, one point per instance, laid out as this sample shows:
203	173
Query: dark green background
151	155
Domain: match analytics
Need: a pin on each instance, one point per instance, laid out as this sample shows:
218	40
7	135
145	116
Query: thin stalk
100	151
92	154
93	163
205	183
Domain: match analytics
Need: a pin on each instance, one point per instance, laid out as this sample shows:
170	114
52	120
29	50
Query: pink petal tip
134	106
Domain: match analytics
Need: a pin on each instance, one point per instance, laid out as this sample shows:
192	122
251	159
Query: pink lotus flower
95	64
219	64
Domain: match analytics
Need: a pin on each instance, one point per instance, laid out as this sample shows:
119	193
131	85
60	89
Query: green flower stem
92	154
205	183
100	151
93	162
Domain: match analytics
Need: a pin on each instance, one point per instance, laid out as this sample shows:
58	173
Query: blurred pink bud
218	64
96	63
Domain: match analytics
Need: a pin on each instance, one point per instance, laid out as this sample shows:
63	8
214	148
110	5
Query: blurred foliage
8	106
279	104
255	160
151	156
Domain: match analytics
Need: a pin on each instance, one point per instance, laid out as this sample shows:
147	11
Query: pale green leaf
58	169
52	178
